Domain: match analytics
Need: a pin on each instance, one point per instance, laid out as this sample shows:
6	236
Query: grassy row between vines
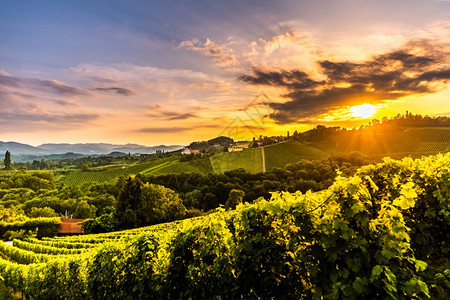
109	173
382	233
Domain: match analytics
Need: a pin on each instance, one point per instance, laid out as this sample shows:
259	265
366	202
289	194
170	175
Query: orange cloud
420	67
222	54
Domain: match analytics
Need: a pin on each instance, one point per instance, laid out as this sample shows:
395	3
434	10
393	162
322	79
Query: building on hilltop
238	146
185	151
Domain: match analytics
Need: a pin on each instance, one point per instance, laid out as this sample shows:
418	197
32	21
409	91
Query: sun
363	111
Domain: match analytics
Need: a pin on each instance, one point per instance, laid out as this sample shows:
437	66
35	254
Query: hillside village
236	146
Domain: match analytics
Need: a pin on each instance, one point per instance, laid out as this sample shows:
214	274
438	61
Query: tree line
145	200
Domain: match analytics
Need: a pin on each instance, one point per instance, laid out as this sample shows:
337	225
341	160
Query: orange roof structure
71	226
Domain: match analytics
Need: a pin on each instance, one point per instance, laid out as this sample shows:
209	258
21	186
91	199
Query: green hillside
249	160
107	174
168	165
414	142
175	167
281	154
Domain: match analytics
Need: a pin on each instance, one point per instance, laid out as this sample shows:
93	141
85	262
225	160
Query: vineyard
202	166
411	141
168	165
279	155
383	233
249	160
414	142
107	174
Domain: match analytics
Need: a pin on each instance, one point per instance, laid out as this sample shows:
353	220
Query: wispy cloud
179	116
31	104
178	129
51	86
160	112
222	54
66	103
23	121
116	90
163	129
56	87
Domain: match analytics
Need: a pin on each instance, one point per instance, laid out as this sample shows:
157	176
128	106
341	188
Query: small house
70	226
185	151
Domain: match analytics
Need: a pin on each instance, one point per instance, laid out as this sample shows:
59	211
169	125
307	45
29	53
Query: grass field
279	155
249	160
200	166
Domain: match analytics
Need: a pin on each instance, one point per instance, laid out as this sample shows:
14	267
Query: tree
86	167
128	201
234	198
7	160
84	210
142	204
159	204
104	223
47	212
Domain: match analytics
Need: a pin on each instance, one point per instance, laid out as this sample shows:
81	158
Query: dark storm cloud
117	90
384	77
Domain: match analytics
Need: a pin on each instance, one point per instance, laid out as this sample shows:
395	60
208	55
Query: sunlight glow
363	111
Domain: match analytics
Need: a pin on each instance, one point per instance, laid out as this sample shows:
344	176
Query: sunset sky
172	72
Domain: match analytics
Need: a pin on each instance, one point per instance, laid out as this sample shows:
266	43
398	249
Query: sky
173	72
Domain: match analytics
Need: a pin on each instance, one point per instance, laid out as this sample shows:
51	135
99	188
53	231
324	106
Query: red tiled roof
70	226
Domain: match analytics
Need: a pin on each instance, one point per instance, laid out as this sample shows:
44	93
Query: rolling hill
414	142
86	148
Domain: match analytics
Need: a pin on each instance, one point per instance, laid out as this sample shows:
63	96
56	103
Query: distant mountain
87	149
18	148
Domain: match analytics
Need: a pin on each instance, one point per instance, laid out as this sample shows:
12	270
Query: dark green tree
84	210
128	202
142	204
235	197
7	160
159	204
